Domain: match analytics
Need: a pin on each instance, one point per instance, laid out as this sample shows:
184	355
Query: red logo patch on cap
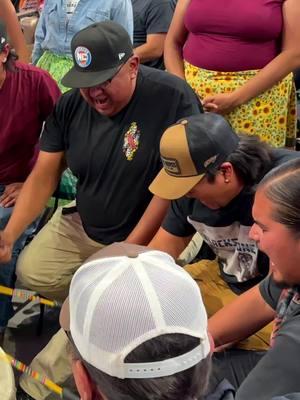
83	57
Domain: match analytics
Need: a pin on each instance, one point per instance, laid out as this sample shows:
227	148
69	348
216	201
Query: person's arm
122	14
36	190
39	37
16	37
284	63
150	222
152	49
175	40
157	20
171	244
176	232
244	316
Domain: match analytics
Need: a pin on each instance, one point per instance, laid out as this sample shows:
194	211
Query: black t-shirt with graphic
226	231
115	159
277	373
151	17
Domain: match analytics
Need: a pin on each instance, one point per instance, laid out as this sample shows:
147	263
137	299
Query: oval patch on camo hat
83	57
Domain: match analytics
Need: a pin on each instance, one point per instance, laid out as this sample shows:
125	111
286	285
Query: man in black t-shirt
152	19
107	131
211	173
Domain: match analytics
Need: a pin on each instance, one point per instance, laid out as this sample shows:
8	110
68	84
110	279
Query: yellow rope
35	375
23	294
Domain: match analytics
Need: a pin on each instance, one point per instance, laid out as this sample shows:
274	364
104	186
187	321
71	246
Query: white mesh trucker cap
132	295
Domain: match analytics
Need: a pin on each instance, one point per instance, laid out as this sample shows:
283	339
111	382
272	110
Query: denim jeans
7	270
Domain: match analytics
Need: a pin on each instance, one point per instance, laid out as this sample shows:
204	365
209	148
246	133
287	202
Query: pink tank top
233	35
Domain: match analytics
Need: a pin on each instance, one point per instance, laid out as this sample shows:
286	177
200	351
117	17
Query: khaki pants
216	294
46	266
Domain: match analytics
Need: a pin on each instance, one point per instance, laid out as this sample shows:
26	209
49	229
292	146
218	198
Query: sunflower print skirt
271	115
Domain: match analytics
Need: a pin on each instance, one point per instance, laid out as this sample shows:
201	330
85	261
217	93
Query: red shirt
27	97
233	35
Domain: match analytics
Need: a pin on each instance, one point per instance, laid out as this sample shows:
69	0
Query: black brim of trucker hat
85	79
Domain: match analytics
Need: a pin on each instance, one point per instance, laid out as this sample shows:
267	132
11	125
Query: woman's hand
10	194
222	103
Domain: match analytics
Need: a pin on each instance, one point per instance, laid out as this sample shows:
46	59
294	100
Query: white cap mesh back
118	303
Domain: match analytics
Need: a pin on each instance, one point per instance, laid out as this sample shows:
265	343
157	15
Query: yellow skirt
271	115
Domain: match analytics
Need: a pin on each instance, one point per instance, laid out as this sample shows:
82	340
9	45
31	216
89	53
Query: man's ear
134	62
226	170
86	388
4	53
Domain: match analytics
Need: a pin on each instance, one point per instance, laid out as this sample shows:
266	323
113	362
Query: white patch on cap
2	40
83	56
121	55
171	165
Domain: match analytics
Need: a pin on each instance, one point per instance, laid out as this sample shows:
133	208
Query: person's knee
42	274
27	268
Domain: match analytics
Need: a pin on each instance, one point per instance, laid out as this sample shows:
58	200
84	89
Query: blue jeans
7	270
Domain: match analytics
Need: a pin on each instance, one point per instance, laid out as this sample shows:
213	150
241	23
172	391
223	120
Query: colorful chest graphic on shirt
131	141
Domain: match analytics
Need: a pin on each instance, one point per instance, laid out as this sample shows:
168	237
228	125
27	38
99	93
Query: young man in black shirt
211	173
107	131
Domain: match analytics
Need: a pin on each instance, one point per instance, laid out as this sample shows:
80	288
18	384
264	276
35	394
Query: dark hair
282	186
9	64
251	160
185	385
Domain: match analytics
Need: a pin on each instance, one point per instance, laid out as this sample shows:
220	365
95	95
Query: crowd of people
175	123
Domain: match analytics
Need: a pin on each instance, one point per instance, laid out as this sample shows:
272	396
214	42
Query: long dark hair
190	384
282	187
